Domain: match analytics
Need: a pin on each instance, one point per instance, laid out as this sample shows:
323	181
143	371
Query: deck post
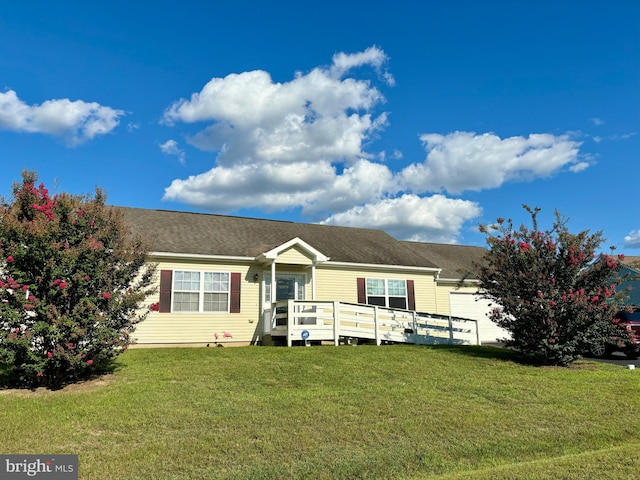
415	322
450	329
290	317
375	324
336	323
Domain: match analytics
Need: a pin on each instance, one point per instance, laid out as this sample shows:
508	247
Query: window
387	292
200	291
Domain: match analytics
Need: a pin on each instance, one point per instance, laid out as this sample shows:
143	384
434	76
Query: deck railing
308	320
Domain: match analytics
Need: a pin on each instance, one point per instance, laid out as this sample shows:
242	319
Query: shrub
552	293
72	281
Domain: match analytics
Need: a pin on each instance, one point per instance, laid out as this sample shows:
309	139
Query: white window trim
386	291
201	291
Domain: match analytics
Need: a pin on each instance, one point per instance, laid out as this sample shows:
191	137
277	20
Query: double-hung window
195	291
390	293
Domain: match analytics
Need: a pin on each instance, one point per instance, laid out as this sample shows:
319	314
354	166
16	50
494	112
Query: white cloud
318	116
316	187
624	136
75	121
301	145
633	239
435	219
170	147
463	161
372	56
286	145
579	167
597	121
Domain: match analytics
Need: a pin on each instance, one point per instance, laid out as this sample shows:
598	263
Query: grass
365	412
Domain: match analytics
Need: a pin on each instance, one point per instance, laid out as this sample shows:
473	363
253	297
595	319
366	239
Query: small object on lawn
631	366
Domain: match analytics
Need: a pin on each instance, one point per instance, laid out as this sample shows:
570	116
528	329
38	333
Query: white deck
302	320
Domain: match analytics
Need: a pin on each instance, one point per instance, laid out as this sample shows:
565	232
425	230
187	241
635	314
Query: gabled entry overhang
272	255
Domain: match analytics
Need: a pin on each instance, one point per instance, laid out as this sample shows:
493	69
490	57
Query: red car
630	320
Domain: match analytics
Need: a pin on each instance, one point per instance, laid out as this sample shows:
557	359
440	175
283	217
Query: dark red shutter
362	291
234	303
411	295
165	291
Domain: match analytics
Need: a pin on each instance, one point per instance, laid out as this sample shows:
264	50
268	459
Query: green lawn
369	412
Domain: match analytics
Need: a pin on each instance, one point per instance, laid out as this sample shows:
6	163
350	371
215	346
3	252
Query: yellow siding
335	284
340	284
200	327
294	256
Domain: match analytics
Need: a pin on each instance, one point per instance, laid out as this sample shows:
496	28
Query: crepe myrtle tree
72	285
550	290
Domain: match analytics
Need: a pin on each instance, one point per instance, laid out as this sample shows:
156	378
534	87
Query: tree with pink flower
72	283
551	291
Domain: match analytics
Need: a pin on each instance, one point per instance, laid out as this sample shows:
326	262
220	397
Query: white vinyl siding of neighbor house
199	328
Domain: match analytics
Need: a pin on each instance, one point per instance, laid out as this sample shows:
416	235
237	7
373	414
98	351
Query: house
630	275
457	285
220	277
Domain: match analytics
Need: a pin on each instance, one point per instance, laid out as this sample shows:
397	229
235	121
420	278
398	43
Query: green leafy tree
551	291
72	283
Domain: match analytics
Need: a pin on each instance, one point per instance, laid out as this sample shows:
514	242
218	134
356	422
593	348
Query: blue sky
423	119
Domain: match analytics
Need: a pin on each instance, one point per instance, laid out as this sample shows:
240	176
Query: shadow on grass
491	352
10	379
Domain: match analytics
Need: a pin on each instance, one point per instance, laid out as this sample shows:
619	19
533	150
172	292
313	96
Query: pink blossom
69	345
106	295
49	355
89	362
10	259
63	285
86	277
39	374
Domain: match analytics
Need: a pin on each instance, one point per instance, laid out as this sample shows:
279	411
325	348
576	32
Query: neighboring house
216	273
630	273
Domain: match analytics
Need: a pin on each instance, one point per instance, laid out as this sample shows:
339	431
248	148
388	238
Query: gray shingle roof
456	261
209	234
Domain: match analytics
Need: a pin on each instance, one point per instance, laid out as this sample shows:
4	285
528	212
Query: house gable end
294	251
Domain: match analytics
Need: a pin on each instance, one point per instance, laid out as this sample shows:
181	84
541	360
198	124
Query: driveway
617	359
